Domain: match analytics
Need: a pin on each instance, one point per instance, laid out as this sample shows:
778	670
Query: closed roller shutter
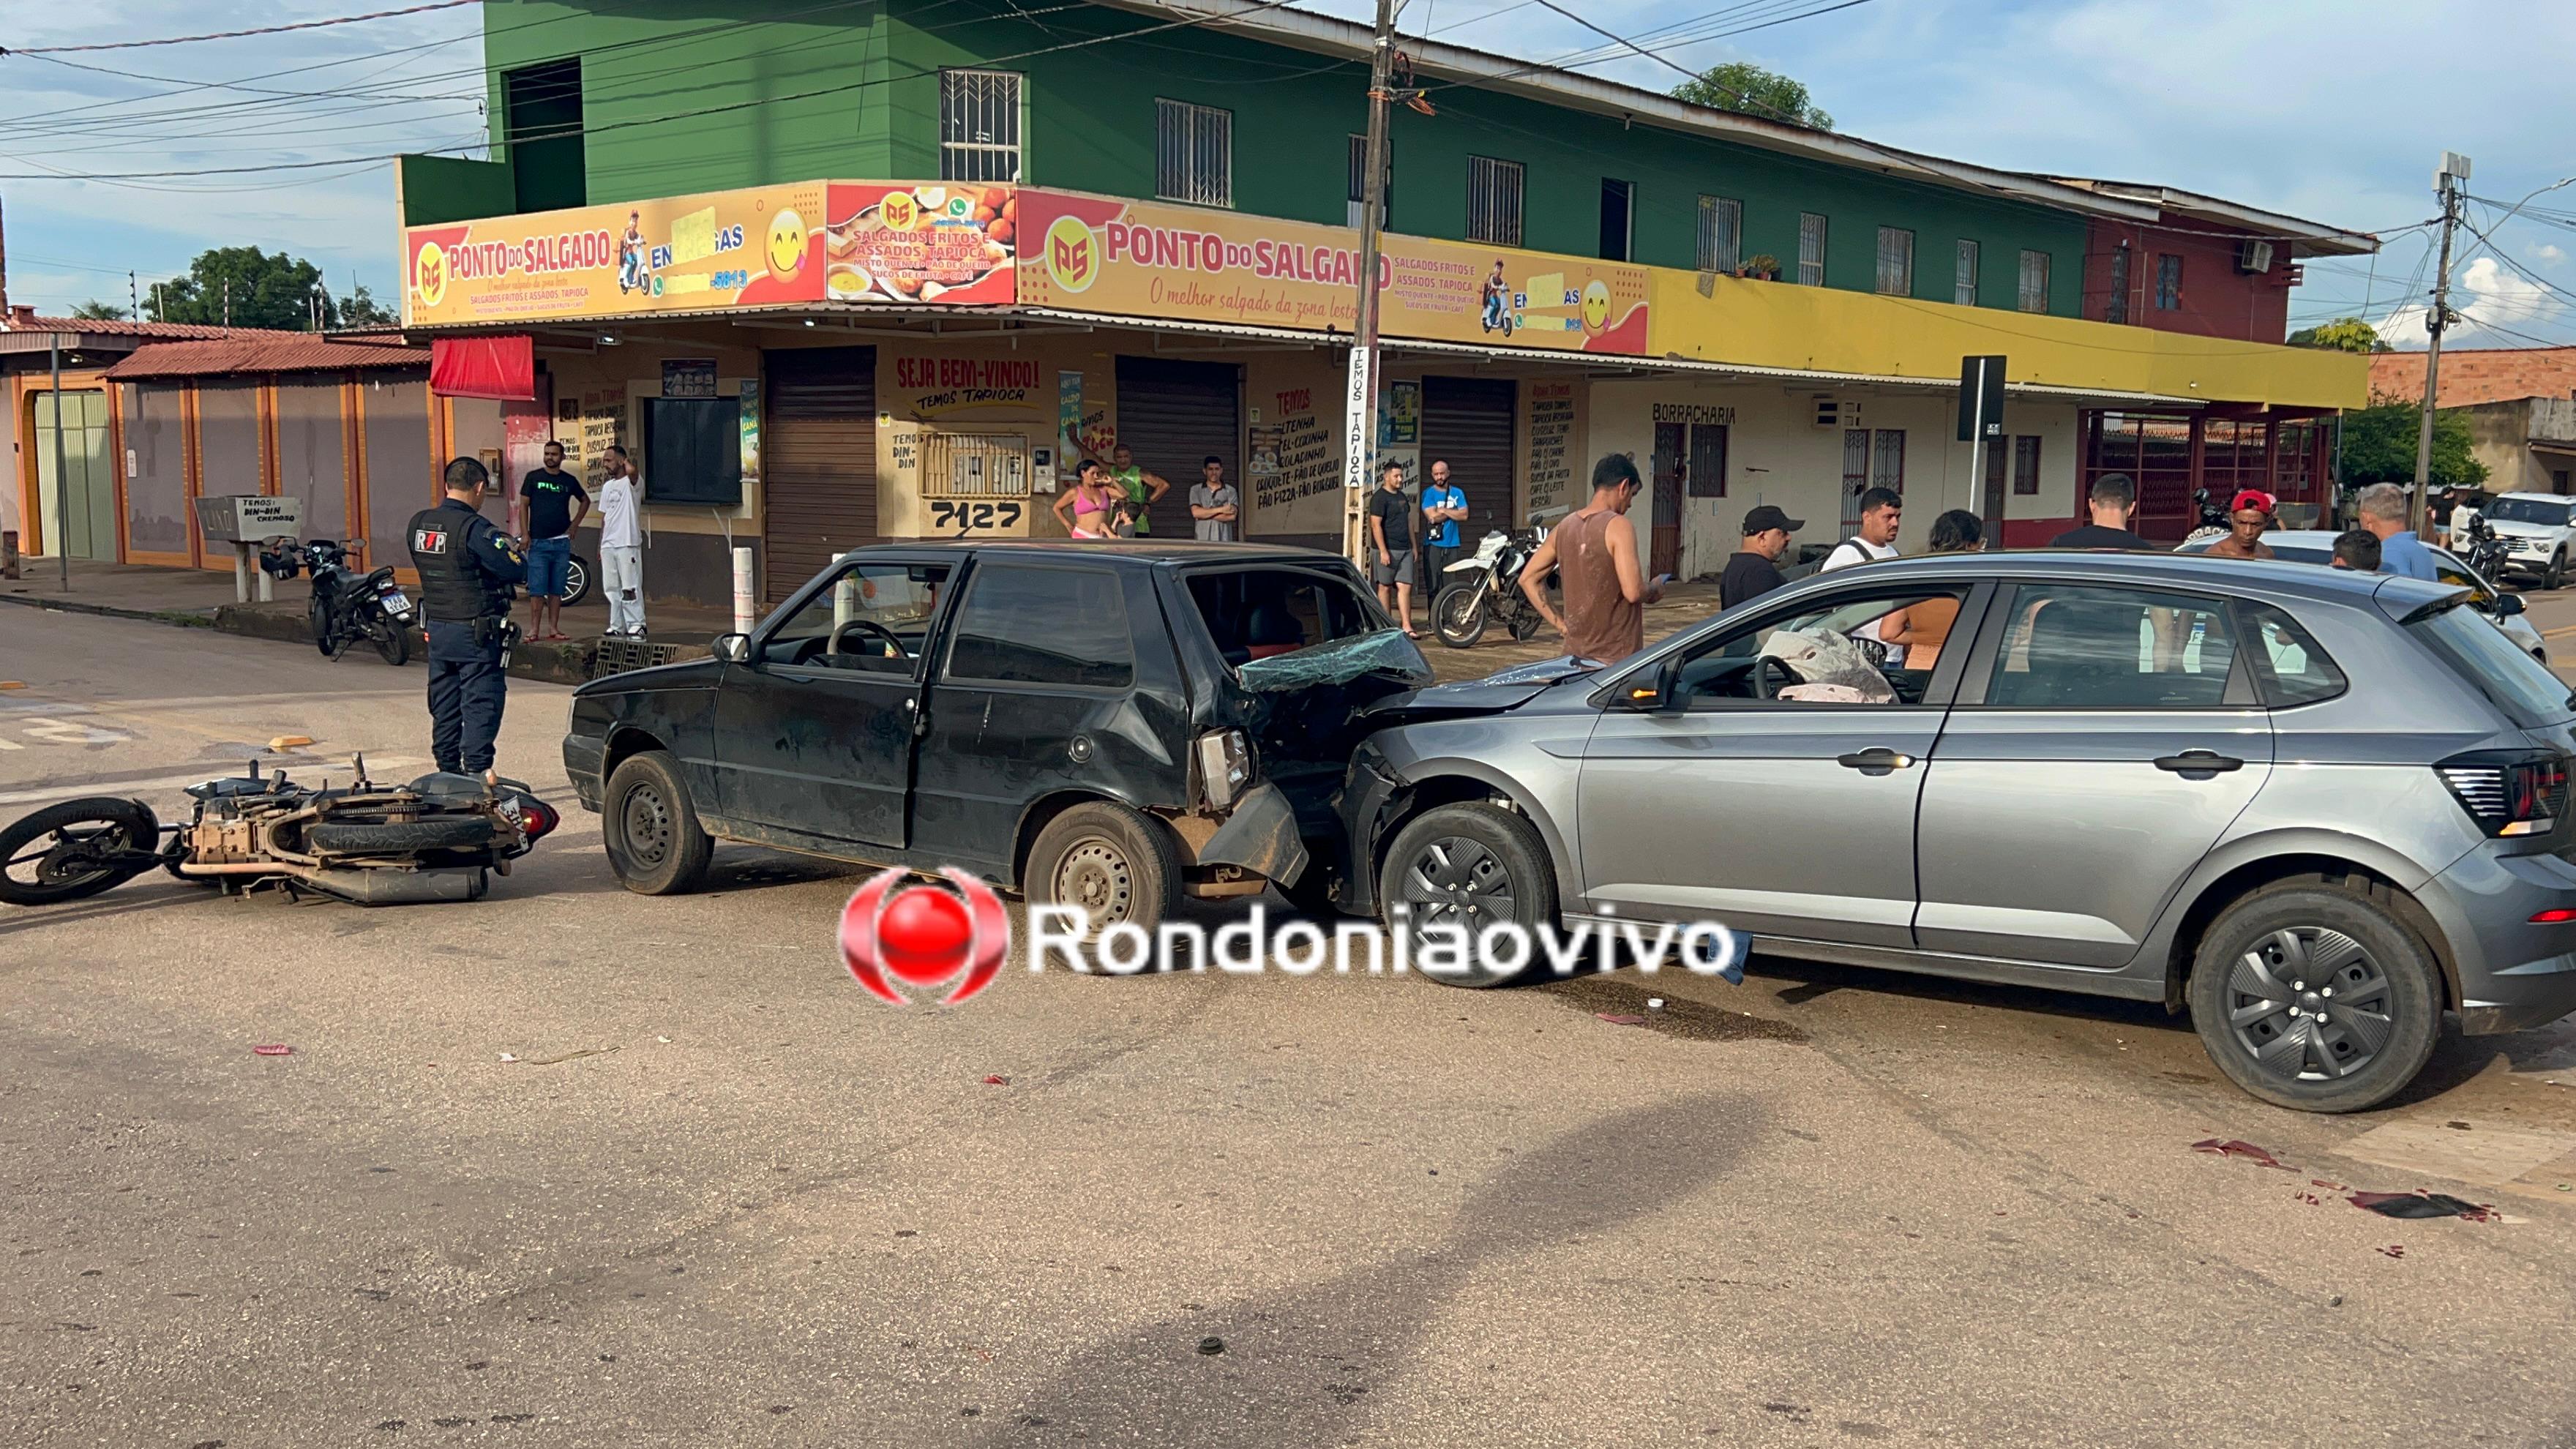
1172	415
1468	420
818	460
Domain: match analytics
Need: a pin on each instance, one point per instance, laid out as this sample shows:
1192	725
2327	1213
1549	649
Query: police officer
466	569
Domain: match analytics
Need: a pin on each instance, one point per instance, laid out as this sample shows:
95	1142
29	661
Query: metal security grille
1887	461
1963	289
1193	153
1895	262
1172	414
974	465
2034	281
1494	201
2118	309
1811	249
979	125
2025	480
1469	422
2168	282
1721	233
1359	180
818	461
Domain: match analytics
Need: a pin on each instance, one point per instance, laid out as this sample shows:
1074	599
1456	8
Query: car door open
1734	791
2102	741
815	728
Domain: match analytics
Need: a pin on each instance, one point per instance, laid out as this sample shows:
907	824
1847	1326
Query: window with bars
2117	310
1895	262
1811	249
2034	281
1494	201
2168	282
1193	153
974	465
1359	182
979	125
2025	467
1887	460
1721	233
1963	285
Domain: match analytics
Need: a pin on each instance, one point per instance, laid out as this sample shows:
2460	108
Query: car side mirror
1650	693
732	648
2508	605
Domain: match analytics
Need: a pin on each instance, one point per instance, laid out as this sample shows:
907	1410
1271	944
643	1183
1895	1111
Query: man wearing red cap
2247	517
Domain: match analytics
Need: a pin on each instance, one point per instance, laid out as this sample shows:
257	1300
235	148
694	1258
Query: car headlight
1225	766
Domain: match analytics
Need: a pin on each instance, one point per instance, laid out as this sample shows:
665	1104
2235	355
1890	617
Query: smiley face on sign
786	244
1596	305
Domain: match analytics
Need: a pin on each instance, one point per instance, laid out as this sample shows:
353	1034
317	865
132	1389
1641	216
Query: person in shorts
554	502
1390	522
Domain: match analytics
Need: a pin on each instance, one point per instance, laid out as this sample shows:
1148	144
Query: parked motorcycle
2484	552
2213	518
1485	586
434	839
348	606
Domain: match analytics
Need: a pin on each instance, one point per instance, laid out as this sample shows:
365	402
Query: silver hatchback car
2316	809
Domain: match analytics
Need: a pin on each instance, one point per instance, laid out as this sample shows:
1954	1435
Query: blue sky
2333	110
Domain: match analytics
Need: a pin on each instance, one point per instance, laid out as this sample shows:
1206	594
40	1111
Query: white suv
2538	537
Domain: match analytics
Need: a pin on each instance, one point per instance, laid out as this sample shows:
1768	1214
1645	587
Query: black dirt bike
348	607
434	839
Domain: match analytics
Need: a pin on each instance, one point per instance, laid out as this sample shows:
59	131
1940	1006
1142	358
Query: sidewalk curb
177	618
566	664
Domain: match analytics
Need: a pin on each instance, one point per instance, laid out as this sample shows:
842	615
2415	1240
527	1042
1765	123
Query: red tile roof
2472	375
263	352
27	321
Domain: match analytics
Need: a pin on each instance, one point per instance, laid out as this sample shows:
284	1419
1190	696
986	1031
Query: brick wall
2478	374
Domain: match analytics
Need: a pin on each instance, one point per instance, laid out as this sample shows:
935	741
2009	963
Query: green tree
1742	86
95	310
2343	334
2379	446
361	309
246	287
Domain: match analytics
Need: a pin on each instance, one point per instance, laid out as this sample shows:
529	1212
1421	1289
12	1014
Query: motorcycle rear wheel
393	641
319	614
95	826
1458	615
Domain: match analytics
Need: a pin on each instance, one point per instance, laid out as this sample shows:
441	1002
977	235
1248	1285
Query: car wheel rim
647	822
1096	876
2309	1004
1454	881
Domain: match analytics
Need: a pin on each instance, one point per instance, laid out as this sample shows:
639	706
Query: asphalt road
1826	1207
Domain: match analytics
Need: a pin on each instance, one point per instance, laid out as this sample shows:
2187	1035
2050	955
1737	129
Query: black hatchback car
1109	725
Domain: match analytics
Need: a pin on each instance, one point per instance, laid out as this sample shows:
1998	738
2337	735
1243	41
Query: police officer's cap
467	473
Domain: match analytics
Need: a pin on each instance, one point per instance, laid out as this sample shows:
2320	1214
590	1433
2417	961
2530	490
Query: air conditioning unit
1837	413
2253	256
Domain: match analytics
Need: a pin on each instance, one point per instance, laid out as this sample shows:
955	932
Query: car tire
580	574
2286	946
650	827
132	823
1113	862
400	837
1472	865
2555	576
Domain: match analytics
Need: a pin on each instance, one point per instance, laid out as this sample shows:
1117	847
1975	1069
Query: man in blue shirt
1444	504
2382	507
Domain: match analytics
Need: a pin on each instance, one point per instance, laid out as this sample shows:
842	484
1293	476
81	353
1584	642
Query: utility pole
2447	182
1359	423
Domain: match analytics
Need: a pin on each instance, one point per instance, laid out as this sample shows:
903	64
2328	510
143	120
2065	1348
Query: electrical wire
240	34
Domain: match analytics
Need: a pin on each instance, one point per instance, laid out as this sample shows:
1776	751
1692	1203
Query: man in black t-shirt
1755	570
2113	502
1391	517
554	501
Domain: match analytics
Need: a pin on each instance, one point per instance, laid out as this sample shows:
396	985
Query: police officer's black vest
454	588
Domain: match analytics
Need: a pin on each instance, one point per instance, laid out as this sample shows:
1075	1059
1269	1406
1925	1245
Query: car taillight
1225	766
2509	792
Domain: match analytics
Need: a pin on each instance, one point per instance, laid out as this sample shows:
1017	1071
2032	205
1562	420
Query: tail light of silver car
2509	792
1225	766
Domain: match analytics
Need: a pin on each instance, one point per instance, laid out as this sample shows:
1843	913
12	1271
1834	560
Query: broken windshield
1386	651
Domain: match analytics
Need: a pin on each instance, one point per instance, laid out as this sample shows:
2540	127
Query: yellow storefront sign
1141	259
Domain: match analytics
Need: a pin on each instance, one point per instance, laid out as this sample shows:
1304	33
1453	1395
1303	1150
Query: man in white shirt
1880	511
622	536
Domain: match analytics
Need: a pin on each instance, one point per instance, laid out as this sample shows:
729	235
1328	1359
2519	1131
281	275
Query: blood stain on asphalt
1679	1016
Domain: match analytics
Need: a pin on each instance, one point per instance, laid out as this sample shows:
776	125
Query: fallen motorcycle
434	839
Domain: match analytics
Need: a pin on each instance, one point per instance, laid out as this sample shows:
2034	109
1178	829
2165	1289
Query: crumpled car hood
1505	689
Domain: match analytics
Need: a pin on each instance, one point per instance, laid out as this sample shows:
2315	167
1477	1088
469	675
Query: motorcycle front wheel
76	849
1458	614
318	613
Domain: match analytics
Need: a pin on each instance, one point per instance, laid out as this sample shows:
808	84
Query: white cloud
2487	295
2545	252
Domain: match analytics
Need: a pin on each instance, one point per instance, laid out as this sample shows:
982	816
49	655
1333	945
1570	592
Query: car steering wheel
1763	686
867	626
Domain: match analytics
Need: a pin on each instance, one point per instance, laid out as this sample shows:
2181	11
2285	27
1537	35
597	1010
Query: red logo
923	936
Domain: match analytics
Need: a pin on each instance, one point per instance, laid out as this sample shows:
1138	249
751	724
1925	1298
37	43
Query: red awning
500	367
